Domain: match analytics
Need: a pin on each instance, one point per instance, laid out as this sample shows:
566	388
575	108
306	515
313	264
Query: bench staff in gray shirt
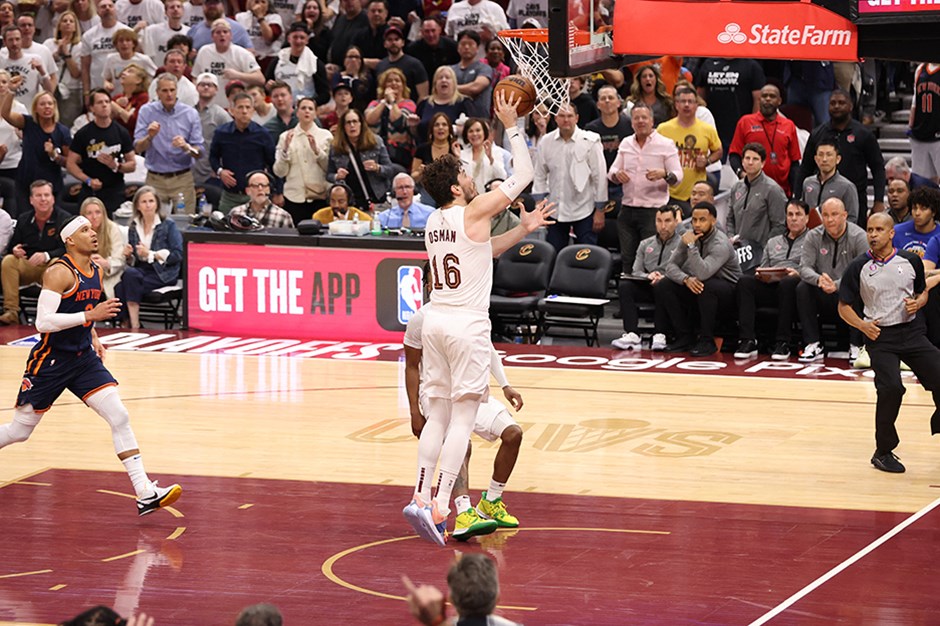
890	285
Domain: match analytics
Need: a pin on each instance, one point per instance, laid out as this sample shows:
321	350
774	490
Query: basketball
521	88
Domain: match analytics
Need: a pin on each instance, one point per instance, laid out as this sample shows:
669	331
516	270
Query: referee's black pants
905	342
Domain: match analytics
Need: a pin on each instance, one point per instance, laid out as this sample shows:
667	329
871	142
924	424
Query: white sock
462	503
135	470
495	491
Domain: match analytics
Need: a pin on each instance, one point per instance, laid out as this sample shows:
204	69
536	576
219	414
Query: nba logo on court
410	281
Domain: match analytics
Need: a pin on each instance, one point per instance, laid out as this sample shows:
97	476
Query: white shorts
456	353
492	418
925	158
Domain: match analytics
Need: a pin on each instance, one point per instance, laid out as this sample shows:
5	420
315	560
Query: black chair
163	306
29	302
519	282
577	291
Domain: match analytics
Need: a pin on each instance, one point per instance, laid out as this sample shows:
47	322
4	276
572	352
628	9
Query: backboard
580	39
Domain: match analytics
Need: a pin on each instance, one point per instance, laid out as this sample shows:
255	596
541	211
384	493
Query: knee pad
25	420
107	403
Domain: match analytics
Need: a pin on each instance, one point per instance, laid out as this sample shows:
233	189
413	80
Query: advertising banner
300	293
734	29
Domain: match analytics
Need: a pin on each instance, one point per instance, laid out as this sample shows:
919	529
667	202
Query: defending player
456	334
69	356
493	422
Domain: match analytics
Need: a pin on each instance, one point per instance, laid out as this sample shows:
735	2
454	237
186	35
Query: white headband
72	227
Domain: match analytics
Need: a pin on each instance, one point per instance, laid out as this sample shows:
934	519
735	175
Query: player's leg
468	522
462	416
43	382
96	387
429	445
25	420
491	505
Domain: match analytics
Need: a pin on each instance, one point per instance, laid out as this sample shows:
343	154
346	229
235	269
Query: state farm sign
808	35
731	29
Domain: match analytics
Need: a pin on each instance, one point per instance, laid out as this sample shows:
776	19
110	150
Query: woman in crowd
111	241
360	78
536	128
66	48
301	159
648	87
482	160
125	45
264	27
134	94
496	59
388	116
45	143
315	15
11	151
443	98
7	13
87	13
441	141
359	160
154	253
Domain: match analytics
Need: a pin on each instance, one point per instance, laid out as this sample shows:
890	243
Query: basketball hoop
529	48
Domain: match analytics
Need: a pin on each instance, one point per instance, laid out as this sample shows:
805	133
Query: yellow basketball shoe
470	524
496	510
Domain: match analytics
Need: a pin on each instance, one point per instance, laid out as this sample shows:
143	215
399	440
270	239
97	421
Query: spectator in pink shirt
646	165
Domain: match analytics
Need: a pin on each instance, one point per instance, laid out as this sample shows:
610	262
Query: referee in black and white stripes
891	287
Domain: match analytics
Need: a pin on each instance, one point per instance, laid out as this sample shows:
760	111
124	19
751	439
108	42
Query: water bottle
201	207
355	219
180	204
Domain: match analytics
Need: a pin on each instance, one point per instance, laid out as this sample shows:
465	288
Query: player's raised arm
486	205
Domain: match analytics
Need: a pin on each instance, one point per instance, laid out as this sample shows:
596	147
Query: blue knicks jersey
83	296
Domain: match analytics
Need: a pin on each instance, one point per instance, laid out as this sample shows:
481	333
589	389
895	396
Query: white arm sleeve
523	172
47	320
496	368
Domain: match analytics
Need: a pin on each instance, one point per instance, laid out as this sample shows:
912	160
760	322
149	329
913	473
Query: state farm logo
806	35
732	34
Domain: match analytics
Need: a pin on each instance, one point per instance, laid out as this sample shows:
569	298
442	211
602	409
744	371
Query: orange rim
532	35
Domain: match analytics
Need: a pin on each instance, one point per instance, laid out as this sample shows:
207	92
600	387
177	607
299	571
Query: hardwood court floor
743	473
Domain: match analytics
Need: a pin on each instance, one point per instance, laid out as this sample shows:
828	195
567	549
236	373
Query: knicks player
492	422
69	356
456	333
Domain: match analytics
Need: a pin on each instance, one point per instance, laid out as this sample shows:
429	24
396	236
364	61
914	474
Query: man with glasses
697	143
405	212
260	206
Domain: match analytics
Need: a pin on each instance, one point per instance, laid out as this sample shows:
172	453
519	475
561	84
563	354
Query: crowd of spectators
201	104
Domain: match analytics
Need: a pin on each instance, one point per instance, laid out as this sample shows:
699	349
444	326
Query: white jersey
149	11
461	269
97	45
155	37
208	59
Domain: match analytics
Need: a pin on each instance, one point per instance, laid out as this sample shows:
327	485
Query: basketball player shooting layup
69	356
456	331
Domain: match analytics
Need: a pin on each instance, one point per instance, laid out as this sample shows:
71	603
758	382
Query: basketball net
529	48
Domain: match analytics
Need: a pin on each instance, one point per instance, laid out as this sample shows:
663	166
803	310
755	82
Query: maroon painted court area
576	560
